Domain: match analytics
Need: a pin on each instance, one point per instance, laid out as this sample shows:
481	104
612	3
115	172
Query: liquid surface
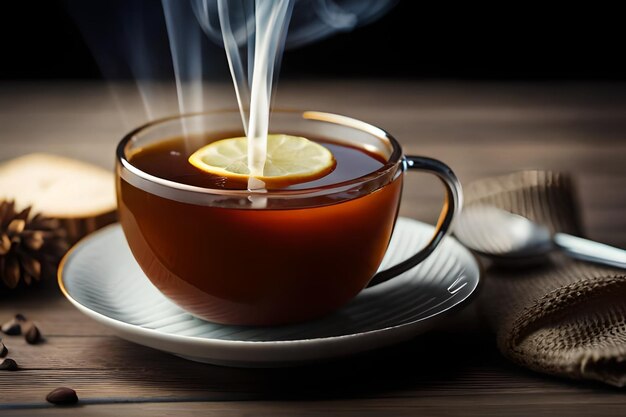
169	160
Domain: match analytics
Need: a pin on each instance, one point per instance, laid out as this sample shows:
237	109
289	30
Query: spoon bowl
505	236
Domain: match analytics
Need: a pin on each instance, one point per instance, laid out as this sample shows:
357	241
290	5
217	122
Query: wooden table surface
479	129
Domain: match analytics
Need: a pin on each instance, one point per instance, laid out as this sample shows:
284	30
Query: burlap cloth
562	317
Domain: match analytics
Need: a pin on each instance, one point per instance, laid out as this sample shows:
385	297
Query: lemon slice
290	159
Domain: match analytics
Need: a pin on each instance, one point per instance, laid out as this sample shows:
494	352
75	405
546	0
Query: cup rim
391	163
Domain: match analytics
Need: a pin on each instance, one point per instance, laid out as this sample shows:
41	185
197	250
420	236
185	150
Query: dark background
415	40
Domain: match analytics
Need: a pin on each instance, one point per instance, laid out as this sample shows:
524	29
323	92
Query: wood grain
479	129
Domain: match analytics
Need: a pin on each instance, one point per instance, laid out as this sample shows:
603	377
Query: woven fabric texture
560	316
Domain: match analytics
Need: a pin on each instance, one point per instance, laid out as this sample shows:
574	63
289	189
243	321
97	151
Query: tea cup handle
451	207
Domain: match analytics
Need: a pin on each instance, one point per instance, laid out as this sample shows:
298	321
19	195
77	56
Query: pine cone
30	247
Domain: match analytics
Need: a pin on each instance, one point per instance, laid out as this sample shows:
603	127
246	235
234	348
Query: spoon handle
588	250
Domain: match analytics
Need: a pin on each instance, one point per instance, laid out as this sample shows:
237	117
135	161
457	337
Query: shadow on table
431	362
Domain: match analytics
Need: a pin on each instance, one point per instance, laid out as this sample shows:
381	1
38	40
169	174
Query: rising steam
182	41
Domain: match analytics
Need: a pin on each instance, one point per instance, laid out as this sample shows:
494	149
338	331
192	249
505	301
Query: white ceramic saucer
101	278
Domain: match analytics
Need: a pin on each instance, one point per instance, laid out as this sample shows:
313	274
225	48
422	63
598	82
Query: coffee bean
8	365
62	395
20	317
11	328
33	335
3	349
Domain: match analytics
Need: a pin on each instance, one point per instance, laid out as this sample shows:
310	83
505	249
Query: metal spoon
497	233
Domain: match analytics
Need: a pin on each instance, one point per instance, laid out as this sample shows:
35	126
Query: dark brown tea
257	266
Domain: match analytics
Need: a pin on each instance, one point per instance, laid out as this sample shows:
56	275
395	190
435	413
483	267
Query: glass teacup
272	256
